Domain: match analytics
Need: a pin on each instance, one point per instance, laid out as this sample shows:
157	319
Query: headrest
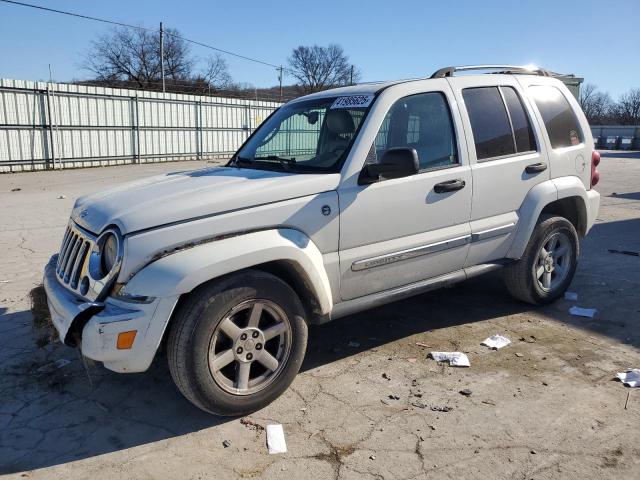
340	122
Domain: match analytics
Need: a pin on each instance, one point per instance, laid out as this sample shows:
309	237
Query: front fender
184	270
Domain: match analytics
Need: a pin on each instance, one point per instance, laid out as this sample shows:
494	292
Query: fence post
137	125
199	129
50	128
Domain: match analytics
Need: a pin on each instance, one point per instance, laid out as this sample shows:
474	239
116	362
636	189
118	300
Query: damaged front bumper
95	326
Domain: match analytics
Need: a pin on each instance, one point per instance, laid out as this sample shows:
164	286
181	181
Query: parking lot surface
368	403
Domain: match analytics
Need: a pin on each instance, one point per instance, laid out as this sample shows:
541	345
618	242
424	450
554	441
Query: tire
201	325
523	278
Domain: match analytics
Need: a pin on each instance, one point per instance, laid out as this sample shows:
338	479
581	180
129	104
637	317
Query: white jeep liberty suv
340	201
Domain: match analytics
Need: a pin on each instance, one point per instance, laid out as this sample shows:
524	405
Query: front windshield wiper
273	160
290	161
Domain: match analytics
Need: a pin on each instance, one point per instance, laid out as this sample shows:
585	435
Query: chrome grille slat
67	234
64	248
72	259
67	255
77	265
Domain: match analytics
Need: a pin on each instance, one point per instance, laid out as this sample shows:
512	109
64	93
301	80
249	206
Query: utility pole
351	74
280	78
162	57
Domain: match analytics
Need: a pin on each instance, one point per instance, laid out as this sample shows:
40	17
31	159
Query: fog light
125	340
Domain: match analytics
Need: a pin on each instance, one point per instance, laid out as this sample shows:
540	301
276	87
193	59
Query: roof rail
521	69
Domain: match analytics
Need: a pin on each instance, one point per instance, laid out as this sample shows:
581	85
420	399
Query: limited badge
353	101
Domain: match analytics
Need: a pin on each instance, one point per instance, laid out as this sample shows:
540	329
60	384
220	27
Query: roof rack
519	69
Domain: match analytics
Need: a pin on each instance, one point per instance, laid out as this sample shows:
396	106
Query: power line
112	22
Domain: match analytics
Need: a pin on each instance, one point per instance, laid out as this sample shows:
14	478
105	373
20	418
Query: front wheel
548	264
235	345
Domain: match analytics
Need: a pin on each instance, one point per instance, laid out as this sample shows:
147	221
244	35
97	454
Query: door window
499	123
423	122
559	118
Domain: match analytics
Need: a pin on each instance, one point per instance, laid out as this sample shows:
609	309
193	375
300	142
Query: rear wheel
235	345
548	264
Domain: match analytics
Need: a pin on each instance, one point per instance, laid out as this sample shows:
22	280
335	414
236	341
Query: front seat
336	137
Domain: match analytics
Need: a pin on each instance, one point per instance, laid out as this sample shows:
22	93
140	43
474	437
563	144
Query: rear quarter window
559	118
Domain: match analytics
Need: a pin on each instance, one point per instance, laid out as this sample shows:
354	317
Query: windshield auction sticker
354	101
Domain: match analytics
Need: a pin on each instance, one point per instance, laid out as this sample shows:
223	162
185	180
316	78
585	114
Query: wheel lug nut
249	356
243	336
254	334
258	346
239	350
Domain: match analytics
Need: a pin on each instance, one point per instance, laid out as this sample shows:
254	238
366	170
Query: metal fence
616	137
48	125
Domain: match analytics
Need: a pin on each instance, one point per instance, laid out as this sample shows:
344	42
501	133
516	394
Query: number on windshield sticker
354	101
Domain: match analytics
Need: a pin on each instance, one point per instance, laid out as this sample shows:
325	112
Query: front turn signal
125	339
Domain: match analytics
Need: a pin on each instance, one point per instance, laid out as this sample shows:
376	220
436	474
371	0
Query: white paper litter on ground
496	342
455	359
582	312
571	296
275	439
631	378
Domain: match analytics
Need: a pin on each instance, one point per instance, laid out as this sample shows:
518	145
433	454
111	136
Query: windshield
310	136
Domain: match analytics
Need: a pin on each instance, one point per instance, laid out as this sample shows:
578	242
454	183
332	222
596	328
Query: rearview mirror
396	163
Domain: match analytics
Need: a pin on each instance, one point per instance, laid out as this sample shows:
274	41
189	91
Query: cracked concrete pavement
367	404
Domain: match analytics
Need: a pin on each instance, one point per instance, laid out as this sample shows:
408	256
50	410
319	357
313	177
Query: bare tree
627	109
133	55
216	73
595	104
318	68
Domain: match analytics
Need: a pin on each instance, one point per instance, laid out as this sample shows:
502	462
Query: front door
399	231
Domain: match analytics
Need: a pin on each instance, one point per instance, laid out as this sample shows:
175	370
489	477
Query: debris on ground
443	409
455	359
386	377
630	378
394	397
354	344
412	360
519	355
17	189
531	339
422	344
625	252
275	439
571	296
466	392
582	312
496	342
226	444
372	457
247	422
61	197
51	366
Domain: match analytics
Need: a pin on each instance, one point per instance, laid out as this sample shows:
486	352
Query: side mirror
396	163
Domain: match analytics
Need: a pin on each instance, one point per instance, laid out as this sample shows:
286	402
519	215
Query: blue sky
386	39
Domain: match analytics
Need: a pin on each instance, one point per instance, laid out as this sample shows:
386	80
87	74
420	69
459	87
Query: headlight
109	254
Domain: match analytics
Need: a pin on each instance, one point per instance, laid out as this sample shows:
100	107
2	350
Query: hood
181	196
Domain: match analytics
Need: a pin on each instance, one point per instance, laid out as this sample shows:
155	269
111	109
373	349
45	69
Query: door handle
449	186
536	168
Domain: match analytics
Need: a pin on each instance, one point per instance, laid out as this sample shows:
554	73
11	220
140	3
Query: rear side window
522	131
489	122
558	116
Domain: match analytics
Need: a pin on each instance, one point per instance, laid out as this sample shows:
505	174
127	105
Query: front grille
74	253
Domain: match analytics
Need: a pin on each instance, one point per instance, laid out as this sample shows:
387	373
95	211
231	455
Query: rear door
506	159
